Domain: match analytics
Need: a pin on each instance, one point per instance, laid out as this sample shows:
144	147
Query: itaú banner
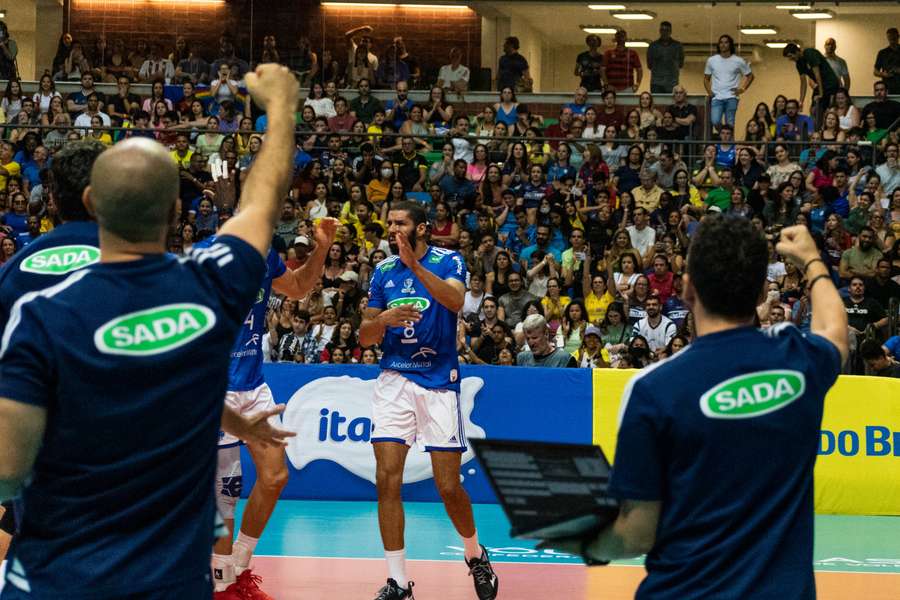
330	408
858	466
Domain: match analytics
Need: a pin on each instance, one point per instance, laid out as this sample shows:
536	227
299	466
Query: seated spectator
861	260
656	328
889	170
156	67
792	125
878	362
541	352
512	303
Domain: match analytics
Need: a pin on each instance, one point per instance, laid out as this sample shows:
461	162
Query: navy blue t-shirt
729	451
48	260
130	361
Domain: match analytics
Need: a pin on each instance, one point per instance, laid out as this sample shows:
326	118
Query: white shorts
405	412
248	403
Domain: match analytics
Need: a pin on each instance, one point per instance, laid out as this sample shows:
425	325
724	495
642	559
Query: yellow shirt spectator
7	170
182	161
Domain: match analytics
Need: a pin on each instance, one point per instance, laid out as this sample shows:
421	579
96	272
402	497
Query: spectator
398	108
360	37
541	353
92	110
812	65
647	194
513	71
192	67
512	303
665	58
410	167
8	52
623	65
454	76
610	114
881	287
392	69
878	362
887	62
589	65
684	113
76	102
863	311
656	328
889	170
885	111
228	56
156	67
579	104
838	64
364	106
726	77
860	261
792	125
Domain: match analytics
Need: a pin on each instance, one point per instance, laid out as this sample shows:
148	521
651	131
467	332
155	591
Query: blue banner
329	406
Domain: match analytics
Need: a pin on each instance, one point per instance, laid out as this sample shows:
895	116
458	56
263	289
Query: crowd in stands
583	220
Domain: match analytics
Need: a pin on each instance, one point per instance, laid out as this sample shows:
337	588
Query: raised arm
275	89
299	282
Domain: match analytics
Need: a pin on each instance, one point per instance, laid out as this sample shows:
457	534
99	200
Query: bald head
133	190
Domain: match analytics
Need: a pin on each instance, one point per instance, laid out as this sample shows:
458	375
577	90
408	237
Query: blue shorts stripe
441	449
389	439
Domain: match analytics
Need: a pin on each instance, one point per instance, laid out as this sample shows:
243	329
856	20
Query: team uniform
731	462
119	505
247	392
67	248
417	393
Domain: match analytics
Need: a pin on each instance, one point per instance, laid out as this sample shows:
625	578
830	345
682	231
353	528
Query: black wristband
810	285
587	558
811	261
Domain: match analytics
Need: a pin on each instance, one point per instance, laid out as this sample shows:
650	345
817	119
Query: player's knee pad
8	520
229	480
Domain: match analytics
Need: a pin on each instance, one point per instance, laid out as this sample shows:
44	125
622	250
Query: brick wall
429	33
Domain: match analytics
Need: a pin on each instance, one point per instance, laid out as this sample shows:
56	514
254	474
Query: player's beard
412	238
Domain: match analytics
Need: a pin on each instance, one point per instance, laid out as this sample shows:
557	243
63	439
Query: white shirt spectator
324	107
43	102
472	304
659	336
463	149
775	271
726	74
642	239
224	92
448	76
152	69
84	120
890	176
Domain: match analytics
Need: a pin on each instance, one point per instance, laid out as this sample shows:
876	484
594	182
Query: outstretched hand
326	230
258	430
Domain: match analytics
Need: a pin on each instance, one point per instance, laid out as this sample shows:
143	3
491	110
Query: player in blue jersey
248	395
414	299
111	382
70	246
716	445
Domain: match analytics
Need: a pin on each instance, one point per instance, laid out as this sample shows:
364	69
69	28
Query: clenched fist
272	83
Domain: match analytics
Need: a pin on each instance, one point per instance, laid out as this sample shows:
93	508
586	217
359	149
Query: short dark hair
790	49
70	173
870	349
415	211
727	264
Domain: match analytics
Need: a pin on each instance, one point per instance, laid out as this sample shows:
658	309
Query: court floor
314	550
318	550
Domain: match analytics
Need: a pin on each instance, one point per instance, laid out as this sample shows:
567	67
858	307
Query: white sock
242	551
472	548
396	560
223	571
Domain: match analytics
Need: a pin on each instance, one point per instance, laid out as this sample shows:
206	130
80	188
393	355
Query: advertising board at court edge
332	417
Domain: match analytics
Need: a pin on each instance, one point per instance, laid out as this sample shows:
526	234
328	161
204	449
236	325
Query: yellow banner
858	468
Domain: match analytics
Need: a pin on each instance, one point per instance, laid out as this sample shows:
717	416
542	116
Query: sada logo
60	260
753	395
154	330
333	420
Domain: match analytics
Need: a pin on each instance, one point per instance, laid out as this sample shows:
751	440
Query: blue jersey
130	361
725	434
48	260
424	352
245	372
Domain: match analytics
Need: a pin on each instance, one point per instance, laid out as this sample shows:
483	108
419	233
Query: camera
474	324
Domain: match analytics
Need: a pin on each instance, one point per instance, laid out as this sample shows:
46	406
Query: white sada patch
352	397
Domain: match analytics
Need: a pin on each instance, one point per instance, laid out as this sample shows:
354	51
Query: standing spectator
887	62
665	58
589	65
811	64
512	70
415	70
227	55
455	76
726	76
623	65
838	64
886	111
392	70
192	68
360	37
303	61
541	352
8	52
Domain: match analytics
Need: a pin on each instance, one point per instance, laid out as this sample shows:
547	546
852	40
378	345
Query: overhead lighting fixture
634	15
812	15
599	30
606	6
637	44
759	30
395	5
793	6
2	13
777	44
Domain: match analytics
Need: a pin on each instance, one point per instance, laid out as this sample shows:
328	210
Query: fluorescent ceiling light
634	15
811	15
394	5
637	44
777	44
599	30
606	6
792	6
759	30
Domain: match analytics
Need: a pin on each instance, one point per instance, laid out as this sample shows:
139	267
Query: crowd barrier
329	406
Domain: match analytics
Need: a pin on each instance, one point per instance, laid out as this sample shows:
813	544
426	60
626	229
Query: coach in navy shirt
716	446
112	381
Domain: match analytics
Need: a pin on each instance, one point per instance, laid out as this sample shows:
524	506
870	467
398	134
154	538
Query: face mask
545	210
387	172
